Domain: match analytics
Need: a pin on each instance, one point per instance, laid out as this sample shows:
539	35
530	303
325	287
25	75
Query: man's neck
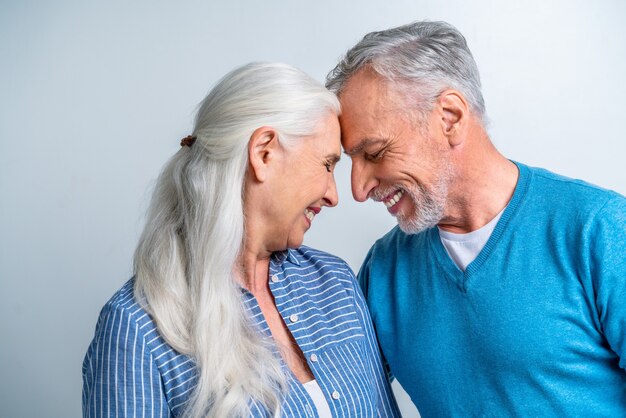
483	184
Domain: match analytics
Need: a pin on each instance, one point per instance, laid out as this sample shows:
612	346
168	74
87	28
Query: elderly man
503	290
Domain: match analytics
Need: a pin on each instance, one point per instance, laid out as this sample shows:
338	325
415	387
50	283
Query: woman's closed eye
331	162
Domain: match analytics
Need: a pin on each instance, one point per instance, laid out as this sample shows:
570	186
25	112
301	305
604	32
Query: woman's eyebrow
333	158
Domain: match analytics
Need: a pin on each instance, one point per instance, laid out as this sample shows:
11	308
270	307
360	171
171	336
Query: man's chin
414	225
409	229
424	212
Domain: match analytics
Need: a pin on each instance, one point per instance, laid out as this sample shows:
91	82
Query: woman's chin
295	242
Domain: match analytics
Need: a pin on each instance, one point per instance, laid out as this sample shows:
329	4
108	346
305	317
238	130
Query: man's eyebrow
365	143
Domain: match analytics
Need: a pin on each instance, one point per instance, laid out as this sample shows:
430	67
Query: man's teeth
389	203
309	214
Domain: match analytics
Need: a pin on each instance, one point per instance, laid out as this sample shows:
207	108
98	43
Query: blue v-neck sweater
535	326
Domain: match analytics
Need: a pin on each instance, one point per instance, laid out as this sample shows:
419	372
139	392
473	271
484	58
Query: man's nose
362	181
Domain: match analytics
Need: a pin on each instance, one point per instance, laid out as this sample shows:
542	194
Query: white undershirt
321	404
464	248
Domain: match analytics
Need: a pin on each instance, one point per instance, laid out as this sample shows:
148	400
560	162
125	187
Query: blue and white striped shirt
129	369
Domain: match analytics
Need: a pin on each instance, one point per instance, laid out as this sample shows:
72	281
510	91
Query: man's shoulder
552	182
556	192
396	241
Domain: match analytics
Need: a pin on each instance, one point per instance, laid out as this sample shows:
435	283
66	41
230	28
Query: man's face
396	159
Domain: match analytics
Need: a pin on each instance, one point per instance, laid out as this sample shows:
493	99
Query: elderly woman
228	315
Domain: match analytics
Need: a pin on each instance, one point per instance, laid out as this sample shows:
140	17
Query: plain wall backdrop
95	96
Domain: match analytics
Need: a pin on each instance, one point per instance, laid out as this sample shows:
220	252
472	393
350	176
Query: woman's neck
254	263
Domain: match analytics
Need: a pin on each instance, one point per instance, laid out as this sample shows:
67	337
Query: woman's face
304	184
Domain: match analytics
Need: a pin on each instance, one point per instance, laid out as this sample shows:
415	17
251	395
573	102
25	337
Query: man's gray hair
423	58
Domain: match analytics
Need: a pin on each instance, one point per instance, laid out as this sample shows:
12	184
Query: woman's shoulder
127	354
312	261
126	324
123	310
124	297
314	256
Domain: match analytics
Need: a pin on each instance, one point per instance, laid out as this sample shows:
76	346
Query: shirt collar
289	255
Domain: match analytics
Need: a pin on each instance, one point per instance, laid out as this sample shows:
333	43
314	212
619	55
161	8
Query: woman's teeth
309	214
389	203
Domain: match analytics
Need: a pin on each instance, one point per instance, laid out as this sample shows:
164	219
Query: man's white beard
428	205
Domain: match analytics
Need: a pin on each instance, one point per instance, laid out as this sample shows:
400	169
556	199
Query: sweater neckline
451	269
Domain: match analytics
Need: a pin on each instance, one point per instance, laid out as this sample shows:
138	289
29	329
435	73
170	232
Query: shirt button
313	357
274	279
335	395
293	318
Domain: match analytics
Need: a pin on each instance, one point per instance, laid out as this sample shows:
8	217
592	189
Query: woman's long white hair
188	251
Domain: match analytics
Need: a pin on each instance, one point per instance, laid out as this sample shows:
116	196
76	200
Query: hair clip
187	141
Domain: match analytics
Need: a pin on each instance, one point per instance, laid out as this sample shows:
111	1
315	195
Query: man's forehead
370	98
364	83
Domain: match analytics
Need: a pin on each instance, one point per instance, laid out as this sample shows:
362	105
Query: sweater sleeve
607	252
120	378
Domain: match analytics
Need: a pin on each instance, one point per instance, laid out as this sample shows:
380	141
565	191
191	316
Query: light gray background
94	97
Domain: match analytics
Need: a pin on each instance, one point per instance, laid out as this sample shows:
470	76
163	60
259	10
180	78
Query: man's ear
454	116
263	148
